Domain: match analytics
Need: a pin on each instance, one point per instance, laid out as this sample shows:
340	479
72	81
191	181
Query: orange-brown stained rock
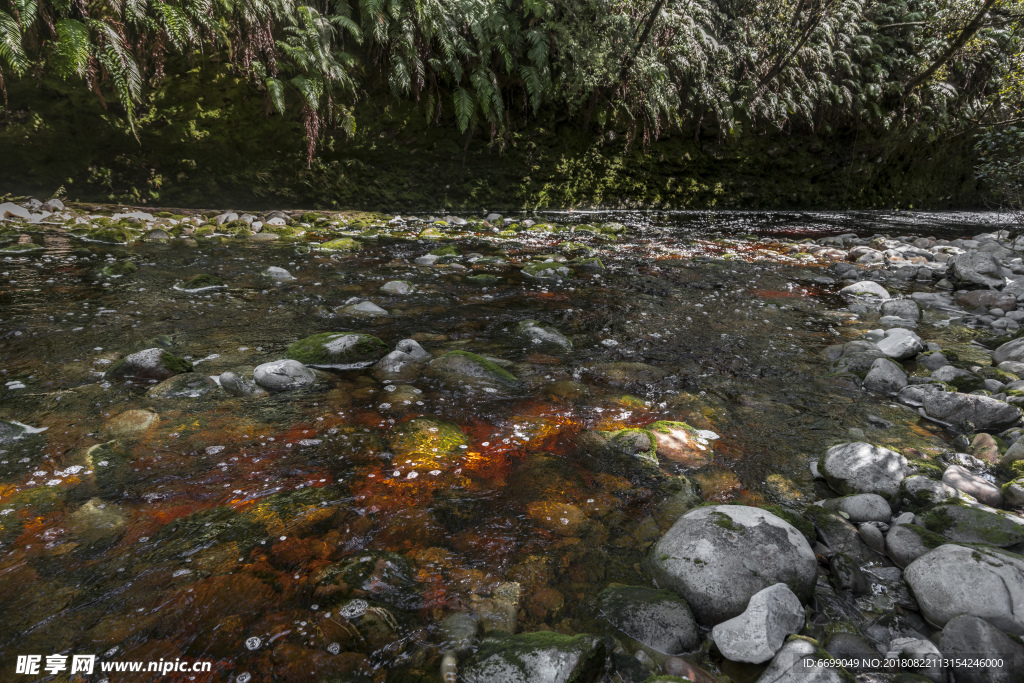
680	446
297	552
562	518
545	603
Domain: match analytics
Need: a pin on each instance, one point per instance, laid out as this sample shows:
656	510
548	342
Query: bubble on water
353	609
243	677
214	450
253	643
334	648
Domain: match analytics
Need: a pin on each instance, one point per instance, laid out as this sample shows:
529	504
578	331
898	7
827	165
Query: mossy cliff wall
206	140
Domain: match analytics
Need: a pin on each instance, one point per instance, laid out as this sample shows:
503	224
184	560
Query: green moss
929	538
928	468
804	526
113	235
997	374
204	231
120	269
311	217
938	520
489	366
426	437
175	364
22	248
624	441
202	281
546	270
726	522
236	228
283	231
447	250
483	279
347	348
342	244
588	265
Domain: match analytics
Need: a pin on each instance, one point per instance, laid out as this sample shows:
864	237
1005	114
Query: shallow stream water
213	534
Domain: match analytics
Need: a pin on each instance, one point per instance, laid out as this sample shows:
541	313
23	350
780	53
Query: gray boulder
924	491
976	268
904	543
862	507
864	288
239	385
718	557
953	580
968	637
283	375
399	287
908	309
534	657
964	481
279	274
984	412
963	524
863	468
885	377
541	335
404	363
913	394
900	344
872	537
756	635
1011	351
788	666
656	619
155	363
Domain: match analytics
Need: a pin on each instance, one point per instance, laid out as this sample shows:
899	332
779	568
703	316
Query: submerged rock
403	363
756	635
338	349
279	274
539	334
188	385
718	557
130	423
463	370
864	288
283	375
657	619
240	385
426	438
533	657
152	363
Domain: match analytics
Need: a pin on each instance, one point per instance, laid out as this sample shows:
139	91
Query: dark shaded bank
205	139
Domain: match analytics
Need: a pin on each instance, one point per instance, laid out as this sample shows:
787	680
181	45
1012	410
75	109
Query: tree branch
965	35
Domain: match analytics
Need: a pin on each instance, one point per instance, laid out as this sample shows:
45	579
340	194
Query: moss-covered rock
446	250
22	248
547	271
426	438
202	281
533	657
120	269
483	279
338	348
188	385
341	244
152	363
466	371
963	524
113	235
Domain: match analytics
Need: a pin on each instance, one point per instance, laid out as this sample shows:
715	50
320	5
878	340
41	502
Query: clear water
222	519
